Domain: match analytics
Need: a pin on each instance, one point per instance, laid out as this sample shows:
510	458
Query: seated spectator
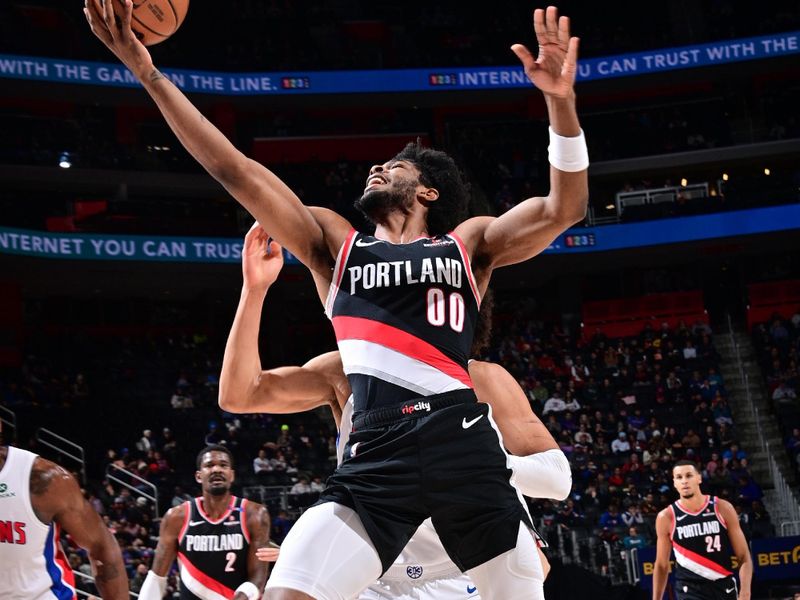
611	518
633	539
691	439
303	486
632	516
783	394
734	452
749	491
261	463
621	443
721	410
554	404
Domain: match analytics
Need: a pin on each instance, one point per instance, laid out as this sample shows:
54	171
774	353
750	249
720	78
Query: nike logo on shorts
471	589
467	424
728	591
363	244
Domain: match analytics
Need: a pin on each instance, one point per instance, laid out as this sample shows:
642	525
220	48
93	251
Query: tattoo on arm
104	572
42	477
155	76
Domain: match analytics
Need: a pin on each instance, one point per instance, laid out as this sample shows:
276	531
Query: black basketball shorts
437	456
696	589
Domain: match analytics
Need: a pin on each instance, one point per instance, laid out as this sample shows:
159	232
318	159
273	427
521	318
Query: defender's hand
554	70
115	32
268	554
261	262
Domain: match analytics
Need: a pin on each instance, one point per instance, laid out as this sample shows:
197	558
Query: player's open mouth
375	179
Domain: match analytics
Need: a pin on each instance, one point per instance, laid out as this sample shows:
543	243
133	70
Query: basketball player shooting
214	537
704	531
37	500
423	570
404	304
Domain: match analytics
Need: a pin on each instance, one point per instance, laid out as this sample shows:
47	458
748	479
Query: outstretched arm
540	468
55	496
244	387
255	187
528	228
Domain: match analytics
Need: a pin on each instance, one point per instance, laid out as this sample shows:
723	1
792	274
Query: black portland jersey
404	317
701	543
213	554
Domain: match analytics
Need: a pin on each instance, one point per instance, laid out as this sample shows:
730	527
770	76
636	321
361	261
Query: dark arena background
670	317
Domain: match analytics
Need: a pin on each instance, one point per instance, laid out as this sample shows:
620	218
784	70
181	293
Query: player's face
686	480
215	474
391	186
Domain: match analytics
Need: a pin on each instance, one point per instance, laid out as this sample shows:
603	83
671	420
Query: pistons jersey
404	317
32	563
212	554
700	539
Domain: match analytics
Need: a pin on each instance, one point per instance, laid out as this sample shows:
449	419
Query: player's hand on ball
262	259
553	70
268	554
115	32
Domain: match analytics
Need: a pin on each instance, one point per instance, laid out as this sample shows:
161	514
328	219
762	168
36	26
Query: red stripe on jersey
701	560
243	519
674	522
67	574
356	328
203	579
467	265
188	506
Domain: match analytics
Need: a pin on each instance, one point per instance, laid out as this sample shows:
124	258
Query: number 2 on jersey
713	544
231	558
438	309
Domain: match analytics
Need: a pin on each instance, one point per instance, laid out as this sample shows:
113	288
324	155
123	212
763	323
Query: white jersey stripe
197	588
695	567
368	358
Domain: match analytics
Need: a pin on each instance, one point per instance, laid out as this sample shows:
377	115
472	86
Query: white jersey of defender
422	565
32	563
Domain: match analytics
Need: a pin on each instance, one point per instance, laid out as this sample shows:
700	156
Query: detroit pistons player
423	570
704	531
39	499
403	303
214	538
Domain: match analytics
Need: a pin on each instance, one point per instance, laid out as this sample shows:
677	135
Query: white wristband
154	587
248	589
568	153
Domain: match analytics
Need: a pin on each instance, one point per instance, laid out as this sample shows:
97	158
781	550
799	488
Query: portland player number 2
231	558
441	309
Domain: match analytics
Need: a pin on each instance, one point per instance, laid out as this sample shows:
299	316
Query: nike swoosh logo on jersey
728	591
193	523
363	244
681	518
467	424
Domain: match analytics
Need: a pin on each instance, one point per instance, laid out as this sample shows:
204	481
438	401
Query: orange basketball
154	21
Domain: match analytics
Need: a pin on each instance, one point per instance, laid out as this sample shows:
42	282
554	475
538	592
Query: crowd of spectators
623	410
777	345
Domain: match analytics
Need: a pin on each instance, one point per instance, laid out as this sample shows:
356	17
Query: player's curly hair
439	170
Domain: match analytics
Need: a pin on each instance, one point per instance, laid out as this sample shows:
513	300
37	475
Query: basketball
153	21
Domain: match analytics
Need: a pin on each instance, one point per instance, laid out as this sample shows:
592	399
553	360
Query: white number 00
437	313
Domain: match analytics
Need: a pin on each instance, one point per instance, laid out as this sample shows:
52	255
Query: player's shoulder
471	231
176	514
665	516
48	477
723	505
